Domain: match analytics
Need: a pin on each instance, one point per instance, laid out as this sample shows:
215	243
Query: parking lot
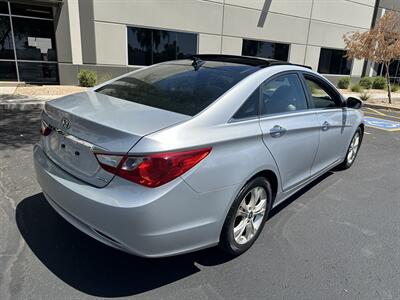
339	238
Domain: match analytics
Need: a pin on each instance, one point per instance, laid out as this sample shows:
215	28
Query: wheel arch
272	179
362	126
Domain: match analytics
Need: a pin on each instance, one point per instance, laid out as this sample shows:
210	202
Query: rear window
178	87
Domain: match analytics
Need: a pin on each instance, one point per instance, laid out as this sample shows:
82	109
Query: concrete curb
380	106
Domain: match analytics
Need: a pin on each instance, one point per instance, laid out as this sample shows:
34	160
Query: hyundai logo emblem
66	123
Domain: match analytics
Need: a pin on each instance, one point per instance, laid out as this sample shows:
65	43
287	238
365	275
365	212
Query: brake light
45	129
152	170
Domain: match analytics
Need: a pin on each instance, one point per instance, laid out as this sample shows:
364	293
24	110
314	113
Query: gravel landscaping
376	96
48	90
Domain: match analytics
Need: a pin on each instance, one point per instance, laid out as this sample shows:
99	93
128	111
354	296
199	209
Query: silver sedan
192	153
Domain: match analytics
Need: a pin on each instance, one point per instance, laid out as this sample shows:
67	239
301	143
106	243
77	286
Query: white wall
307	25
111	43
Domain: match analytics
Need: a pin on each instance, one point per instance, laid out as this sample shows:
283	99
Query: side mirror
352	102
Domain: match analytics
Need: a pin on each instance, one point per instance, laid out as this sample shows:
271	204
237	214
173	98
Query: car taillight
45	129
152	170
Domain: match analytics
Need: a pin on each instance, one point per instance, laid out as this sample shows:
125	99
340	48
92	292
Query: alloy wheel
249	215
352	153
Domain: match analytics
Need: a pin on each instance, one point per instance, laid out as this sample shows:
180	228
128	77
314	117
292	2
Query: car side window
249	109
283	94
320	95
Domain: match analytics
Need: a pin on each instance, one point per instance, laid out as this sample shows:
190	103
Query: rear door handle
277	131
325	126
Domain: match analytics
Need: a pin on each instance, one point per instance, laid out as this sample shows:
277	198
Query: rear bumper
168	220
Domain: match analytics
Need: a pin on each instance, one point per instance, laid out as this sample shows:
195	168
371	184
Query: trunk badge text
66	123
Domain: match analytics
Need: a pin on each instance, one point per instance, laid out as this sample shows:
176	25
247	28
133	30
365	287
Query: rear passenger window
249	109
320	95
283	94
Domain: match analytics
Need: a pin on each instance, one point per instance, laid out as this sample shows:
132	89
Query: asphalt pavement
339	238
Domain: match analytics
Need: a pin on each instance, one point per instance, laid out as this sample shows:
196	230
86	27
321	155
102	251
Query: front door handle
277	131
325	126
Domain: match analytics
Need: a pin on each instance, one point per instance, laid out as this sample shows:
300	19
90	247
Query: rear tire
246	217
352	151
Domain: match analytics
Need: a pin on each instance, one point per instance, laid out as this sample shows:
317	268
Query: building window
150	46
3	8
8	71
394	70
38	72
34	39
332	61
31	10
6	43
34	58
272	50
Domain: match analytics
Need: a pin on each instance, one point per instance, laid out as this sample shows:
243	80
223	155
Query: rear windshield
178	87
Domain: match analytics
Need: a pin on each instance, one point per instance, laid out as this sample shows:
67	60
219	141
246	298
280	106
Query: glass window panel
6	44
332	61
393	68
164	46
150	46
3	7
139	46
249	109
319	95
186	44
176	87
38	72
283	94
34	39
31	10
272	50
250	48
8	71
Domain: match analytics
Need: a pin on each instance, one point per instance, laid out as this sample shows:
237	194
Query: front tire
246	217
352	151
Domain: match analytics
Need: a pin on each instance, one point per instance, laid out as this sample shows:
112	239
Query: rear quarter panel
237	154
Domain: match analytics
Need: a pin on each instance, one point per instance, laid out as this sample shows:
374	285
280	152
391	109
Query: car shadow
96	269
99	270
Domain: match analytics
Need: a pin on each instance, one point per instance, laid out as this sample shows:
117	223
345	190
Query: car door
289	127
332	118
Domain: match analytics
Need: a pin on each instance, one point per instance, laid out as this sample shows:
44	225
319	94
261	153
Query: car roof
243	60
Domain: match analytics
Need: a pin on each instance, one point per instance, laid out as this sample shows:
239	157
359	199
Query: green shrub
366	82
356	88
364	96
87	78
395	88
344	83
379	83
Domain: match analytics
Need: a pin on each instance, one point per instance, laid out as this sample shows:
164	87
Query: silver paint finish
187	213
294	151
108	122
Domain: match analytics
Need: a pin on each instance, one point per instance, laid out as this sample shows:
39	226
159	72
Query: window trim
291	72
326	85
154	28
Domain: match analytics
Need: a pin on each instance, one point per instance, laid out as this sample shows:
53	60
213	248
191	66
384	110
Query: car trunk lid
90	122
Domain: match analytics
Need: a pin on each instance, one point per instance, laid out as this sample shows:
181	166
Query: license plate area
72	154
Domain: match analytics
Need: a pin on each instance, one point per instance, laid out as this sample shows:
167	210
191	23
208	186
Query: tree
380	44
